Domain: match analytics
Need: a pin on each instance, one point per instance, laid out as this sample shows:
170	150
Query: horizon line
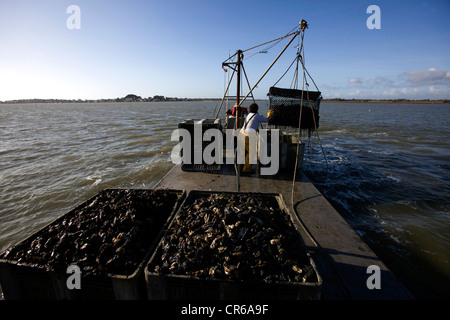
159	98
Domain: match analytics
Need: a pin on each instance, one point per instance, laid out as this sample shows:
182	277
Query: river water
385	168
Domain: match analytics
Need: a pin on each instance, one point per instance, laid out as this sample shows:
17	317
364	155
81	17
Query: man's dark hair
253	108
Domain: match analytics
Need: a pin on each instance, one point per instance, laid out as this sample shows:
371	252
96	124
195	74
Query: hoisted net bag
284	107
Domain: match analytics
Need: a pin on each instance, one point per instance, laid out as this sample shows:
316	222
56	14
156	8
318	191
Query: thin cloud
355	81
415	84
383	81
431	76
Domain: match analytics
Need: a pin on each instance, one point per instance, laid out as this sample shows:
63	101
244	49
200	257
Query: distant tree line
127	98
160	98
386	100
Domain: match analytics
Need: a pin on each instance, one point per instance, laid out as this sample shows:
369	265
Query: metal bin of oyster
109	237
232	245
192	126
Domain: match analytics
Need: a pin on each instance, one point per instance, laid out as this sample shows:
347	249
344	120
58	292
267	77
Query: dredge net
286	106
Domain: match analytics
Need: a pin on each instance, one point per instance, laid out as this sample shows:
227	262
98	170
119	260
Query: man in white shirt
253	119
251	126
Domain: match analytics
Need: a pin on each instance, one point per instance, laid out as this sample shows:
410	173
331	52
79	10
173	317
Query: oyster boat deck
341	256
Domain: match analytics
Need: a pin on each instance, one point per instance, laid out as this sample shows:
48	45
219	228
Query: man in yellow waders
251	127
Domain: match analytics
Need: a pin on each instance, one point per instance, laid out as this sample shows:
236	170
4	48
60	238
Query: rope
317	133
248	83
313	116
285	72
290	33
299	126
301	53
270	41
320	249
269	47
271	65
299	58
225	94
304	68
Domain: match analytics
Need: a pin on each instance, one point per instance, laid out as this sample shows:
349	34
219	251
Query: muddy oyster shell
233	236
110	234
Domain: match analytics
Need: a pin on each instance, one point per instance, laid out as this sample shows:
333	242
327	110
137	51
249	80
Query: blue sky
175	48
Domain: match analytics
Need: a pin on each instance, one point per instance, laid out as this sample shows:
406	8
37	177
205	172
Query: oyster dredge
211	228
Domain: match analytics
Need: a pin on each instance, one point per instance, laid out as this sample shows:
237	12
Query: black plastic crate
22	278
203	125
186	286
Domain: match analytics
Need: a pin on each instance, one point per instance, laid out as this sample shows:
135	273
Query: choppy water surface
388	175
387	170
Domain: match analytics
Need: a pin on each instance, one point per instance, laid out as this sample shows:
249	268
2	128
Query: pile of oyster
234	236
110	234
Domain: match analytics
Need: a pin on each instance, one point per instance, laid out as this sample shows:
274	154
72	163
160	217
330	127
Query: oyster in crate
236	236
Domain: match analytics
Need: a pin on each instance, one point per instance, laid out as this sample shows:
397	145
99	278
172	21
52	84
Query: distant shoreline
134	98
424	101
